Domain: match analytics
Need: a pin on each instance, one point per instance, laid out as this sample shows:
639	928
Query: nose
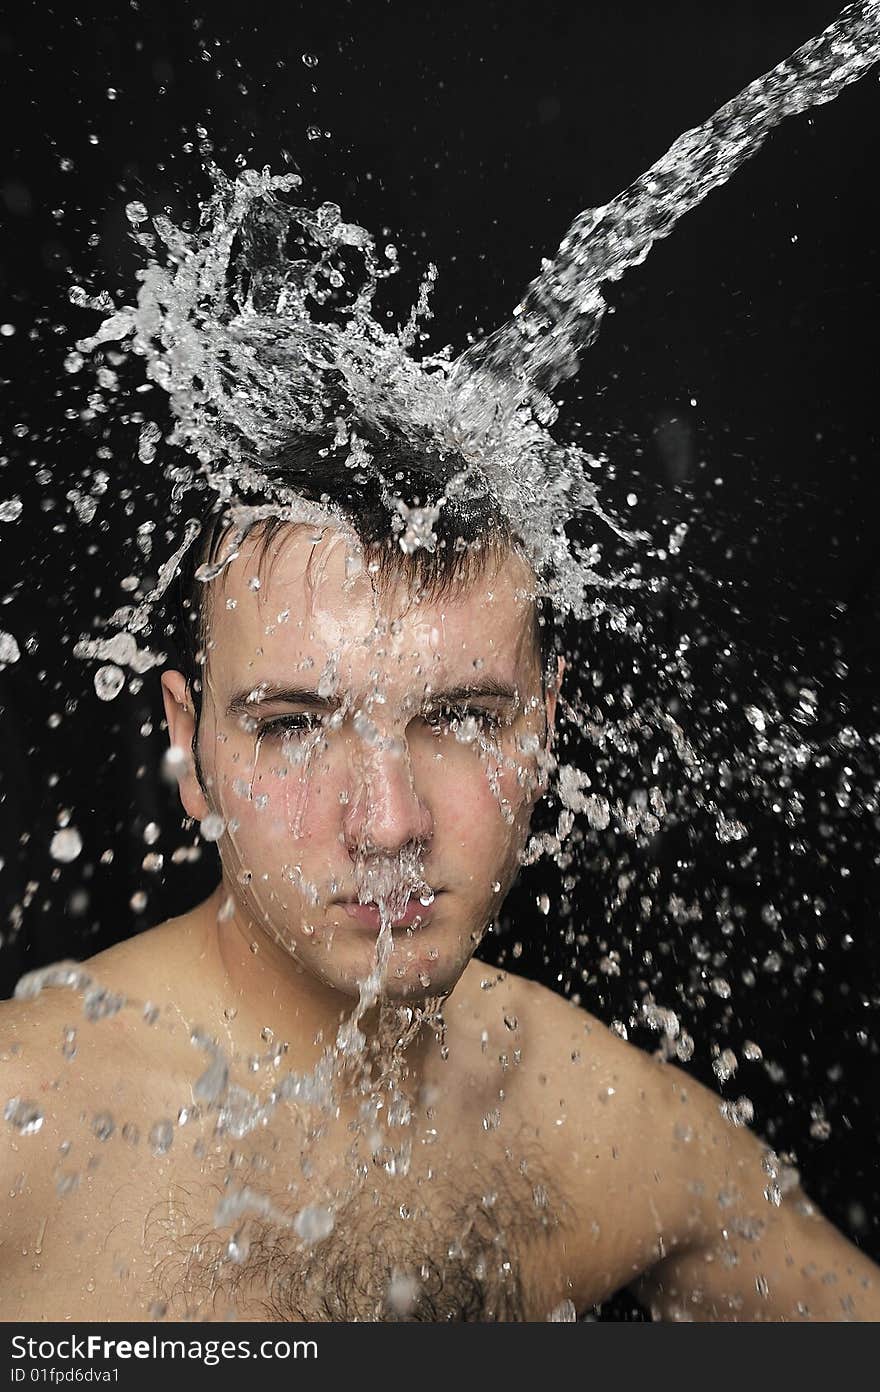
385	812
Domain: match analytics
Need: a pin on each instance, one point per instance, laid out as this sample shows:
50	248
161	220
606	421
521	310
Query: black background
473	133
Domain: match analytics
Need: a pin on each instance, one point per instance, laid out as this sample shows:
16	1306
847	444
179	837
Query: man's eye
463	720
290	726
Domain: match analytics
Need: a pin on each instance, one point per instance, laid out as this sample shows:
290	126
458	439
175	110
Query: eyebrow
250	698
247	699
487	688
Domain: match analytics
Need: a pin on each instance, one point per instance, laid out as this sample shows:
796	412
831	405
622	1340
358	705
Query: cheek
282	796
466	793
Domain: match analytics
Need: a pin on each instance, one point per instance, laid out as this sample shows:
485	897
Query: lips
367	915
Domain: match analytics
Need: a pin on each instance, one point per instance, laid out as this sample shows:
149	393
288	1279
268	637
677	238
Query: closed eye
291	726
456	717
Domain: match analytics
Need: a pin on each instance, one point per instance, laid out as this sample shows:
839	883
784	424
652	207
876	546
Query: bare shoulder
556	1040
77	1056
576	1087
38	1048
598	1097
598	1117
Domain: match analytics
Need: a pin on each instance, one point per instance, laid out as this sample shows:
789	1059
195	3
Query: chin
406	974
412	991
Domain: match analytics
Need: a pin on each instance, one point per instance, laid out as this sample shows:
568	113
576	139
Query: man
305	1099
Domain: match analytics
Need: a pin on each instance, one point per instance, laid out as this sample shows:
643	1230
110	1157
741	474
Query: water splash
390	882
259	325
253	344
560	315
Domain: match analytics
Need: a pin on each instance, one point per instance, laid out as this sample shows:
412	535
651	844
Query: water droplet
109	681
365	729
11	510
313	133
136	213
66	844
103	1126
730	829
757	718
101	1004
739	1113
174	763
9	649
466	731
212	827
238	1249
725	1065
24	1117
147	441
310	60
820	1127
161	1137
213	1083
403	1293
314	1223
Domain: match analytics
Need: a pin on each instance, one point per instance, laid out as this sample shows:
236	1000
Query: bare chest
454	1234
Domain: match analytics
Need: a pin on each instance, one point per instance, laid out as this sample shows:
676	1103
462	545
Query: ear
180	716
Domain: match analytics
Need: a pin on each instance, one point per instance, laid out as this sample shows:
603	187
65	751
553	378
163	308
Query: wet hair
470	530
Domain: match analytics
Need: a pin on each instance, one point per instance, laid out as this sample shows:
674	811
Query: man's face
357	743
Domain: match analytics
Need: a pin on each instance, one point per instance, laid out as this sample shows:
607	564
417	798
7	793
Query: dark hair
469	528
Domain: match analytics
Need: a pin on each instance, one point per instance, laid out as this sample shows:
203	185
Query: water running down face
368	752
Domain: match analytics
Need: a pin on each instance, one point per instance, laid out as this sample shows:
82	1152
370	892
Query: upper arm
27	1131
669	1197
754	1247
791	1264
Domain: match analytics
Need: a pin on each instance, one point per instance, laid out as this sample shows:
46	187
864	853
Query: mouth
416	914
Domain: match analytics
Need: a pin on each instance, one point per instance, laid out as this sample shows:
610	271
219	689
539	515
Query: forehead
310	602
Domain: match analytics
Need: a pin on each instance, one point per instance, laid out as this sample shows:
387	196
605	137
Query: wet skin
345	726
